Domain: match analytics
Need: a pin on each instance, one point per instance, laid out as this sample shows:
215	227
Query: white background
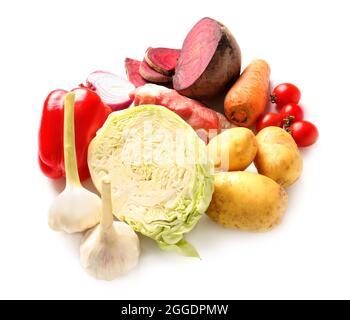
46	45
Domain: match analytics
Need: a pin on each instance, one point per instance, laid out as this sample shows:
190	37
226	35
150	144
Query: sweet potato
162	60
210	60
132	70
151	75
202	119
248	97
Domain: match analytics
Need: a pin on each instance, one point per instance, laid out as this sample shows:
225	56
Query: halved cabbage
162	180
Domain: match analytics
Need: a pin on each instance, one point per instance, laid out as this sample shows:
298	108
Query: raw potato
278	156
247	201
233	150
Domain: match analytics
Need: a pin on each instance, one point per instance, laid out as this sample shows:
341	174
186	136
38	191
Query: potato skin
278	156
247	201
233	149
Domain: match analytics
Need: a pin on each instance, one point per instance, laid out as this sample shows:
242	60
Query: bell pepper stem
107	215
70	157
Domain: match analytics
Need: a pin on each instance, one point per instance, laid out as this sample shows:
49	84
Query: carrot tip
239	116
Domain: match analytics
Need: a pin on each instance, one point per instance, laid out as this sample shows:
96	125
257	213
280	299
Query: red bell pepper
90	113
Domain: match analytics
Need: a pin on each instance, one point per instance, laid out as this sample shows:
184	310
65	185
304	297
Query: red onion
113	90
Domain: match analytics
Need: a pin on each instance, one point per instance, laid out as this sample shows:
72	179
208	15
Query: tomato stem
273	98
239	116
287	122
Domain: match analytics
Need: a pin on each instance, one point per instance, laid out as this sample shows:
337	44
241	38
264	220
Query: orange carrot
248	97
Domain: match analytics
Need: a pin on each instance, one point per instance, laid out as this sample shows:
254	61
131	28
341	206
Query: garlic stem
70	157
107	215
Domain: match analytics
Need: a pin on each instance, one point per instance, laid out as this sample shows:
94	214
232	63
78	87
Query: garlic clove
75	210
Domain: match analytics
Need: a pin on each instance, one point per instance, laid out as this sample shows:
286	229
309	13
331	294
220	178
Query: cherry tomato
285	93
269	120
291	113
304	133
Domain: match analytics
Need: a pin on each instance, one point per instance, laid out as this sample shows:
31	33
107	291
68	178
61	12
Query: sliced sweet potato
163	60
132	70
151	75
209	62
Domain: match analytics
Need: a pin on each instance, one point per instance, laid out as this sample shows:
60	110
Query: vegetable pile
161	158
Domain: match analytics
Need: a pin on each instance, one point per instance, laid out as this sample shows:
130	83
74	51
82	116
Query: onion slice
113	90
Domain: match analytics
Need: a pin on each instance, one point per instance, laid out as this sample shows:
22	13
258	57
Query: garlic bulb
112	248
75	209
